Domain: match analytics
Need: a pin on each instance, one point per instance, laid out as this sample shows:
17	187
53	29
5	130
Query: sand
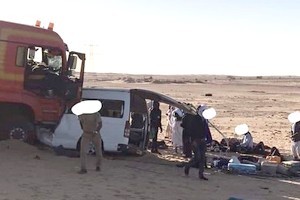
29	172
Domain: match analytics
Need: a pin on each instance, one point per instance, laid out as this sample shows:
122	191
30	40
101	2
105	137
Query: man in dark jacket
198	138
155	124
186	134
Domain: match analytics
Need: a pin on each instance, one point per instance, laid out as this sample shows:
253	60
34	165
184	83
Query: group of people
191	130
246	145
179	129
186	130
91	124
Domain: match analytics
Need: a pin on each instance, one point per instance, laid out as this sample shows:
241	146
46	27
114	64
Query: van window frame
110	112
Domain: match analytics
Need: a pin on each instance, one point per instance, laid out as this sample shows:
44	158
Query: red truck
39	79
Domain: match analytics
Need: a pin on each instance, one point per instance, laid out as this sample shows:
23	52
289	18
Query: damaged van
125	120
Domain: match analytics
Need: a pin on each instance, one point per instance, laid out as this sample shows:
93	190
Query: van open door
139	134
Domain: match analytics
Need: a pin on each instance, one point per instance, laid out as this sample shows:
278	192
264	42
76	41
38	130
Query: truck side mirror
31	53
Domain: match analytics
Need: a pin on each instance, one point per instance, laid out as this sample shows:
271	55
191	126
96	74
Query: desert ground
31	172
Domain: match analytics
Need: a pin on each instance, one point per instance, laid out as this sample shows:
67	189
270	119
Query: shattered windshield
55	62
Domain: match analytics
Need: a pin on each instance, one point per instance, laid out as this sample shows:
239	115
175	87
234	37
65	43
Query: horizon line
226	75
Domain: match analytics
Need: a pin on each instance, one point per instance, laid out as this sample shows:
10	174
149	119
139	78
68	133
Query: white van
125	120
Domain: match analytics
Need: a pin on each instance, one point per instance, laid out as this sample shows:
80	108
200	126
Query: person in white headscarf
294	118
246	144
177	129
295	144
169	122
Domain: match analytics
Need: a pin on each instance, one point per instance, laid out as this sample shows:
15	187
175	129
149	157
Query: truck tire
18	127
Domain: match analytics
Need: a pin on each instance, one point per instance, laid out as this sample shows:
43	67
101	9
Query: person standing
198	138
295	143
155	124
186	135
177	130
169	122
91	125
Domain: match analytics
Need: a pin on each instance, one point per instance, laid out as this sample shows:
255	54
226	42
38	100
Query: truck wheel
20	128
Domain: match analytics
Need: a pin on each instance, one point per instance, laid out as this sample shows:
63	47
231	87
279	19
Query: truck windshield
55	62
45	59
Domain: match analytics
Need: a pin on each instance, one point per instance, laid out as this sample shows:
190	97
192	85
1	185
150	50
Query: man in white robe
177	129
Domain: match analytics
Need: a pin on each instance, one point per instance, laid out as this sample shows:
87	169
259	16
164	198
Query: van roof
151	95
109	89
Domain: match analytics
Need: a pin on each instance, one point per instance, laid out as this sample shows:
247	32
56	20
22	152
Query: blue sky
254	37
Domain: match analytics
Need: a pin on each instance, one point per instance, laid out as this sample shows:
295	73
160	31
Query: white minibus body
125	120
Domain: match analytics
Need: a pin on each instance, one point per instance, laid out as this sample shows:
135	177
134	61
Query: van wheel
20	128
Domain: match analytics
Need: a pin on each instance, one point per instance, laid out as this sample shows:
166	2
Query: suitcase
294	165
274	159
269	168
289	168
242	168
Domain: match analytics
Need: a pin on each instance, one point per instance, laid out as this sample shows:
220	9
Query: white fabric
295	146
178	111
296	149
293	127
177	134
169	123
176	128
172	119
247	141
234	159
294	117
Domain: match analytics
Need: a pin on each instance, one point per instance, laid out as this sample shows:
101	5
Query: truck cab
39	79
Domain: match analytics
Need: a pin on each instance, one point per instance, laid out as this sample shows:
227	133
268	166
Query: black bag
274	152
259	149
